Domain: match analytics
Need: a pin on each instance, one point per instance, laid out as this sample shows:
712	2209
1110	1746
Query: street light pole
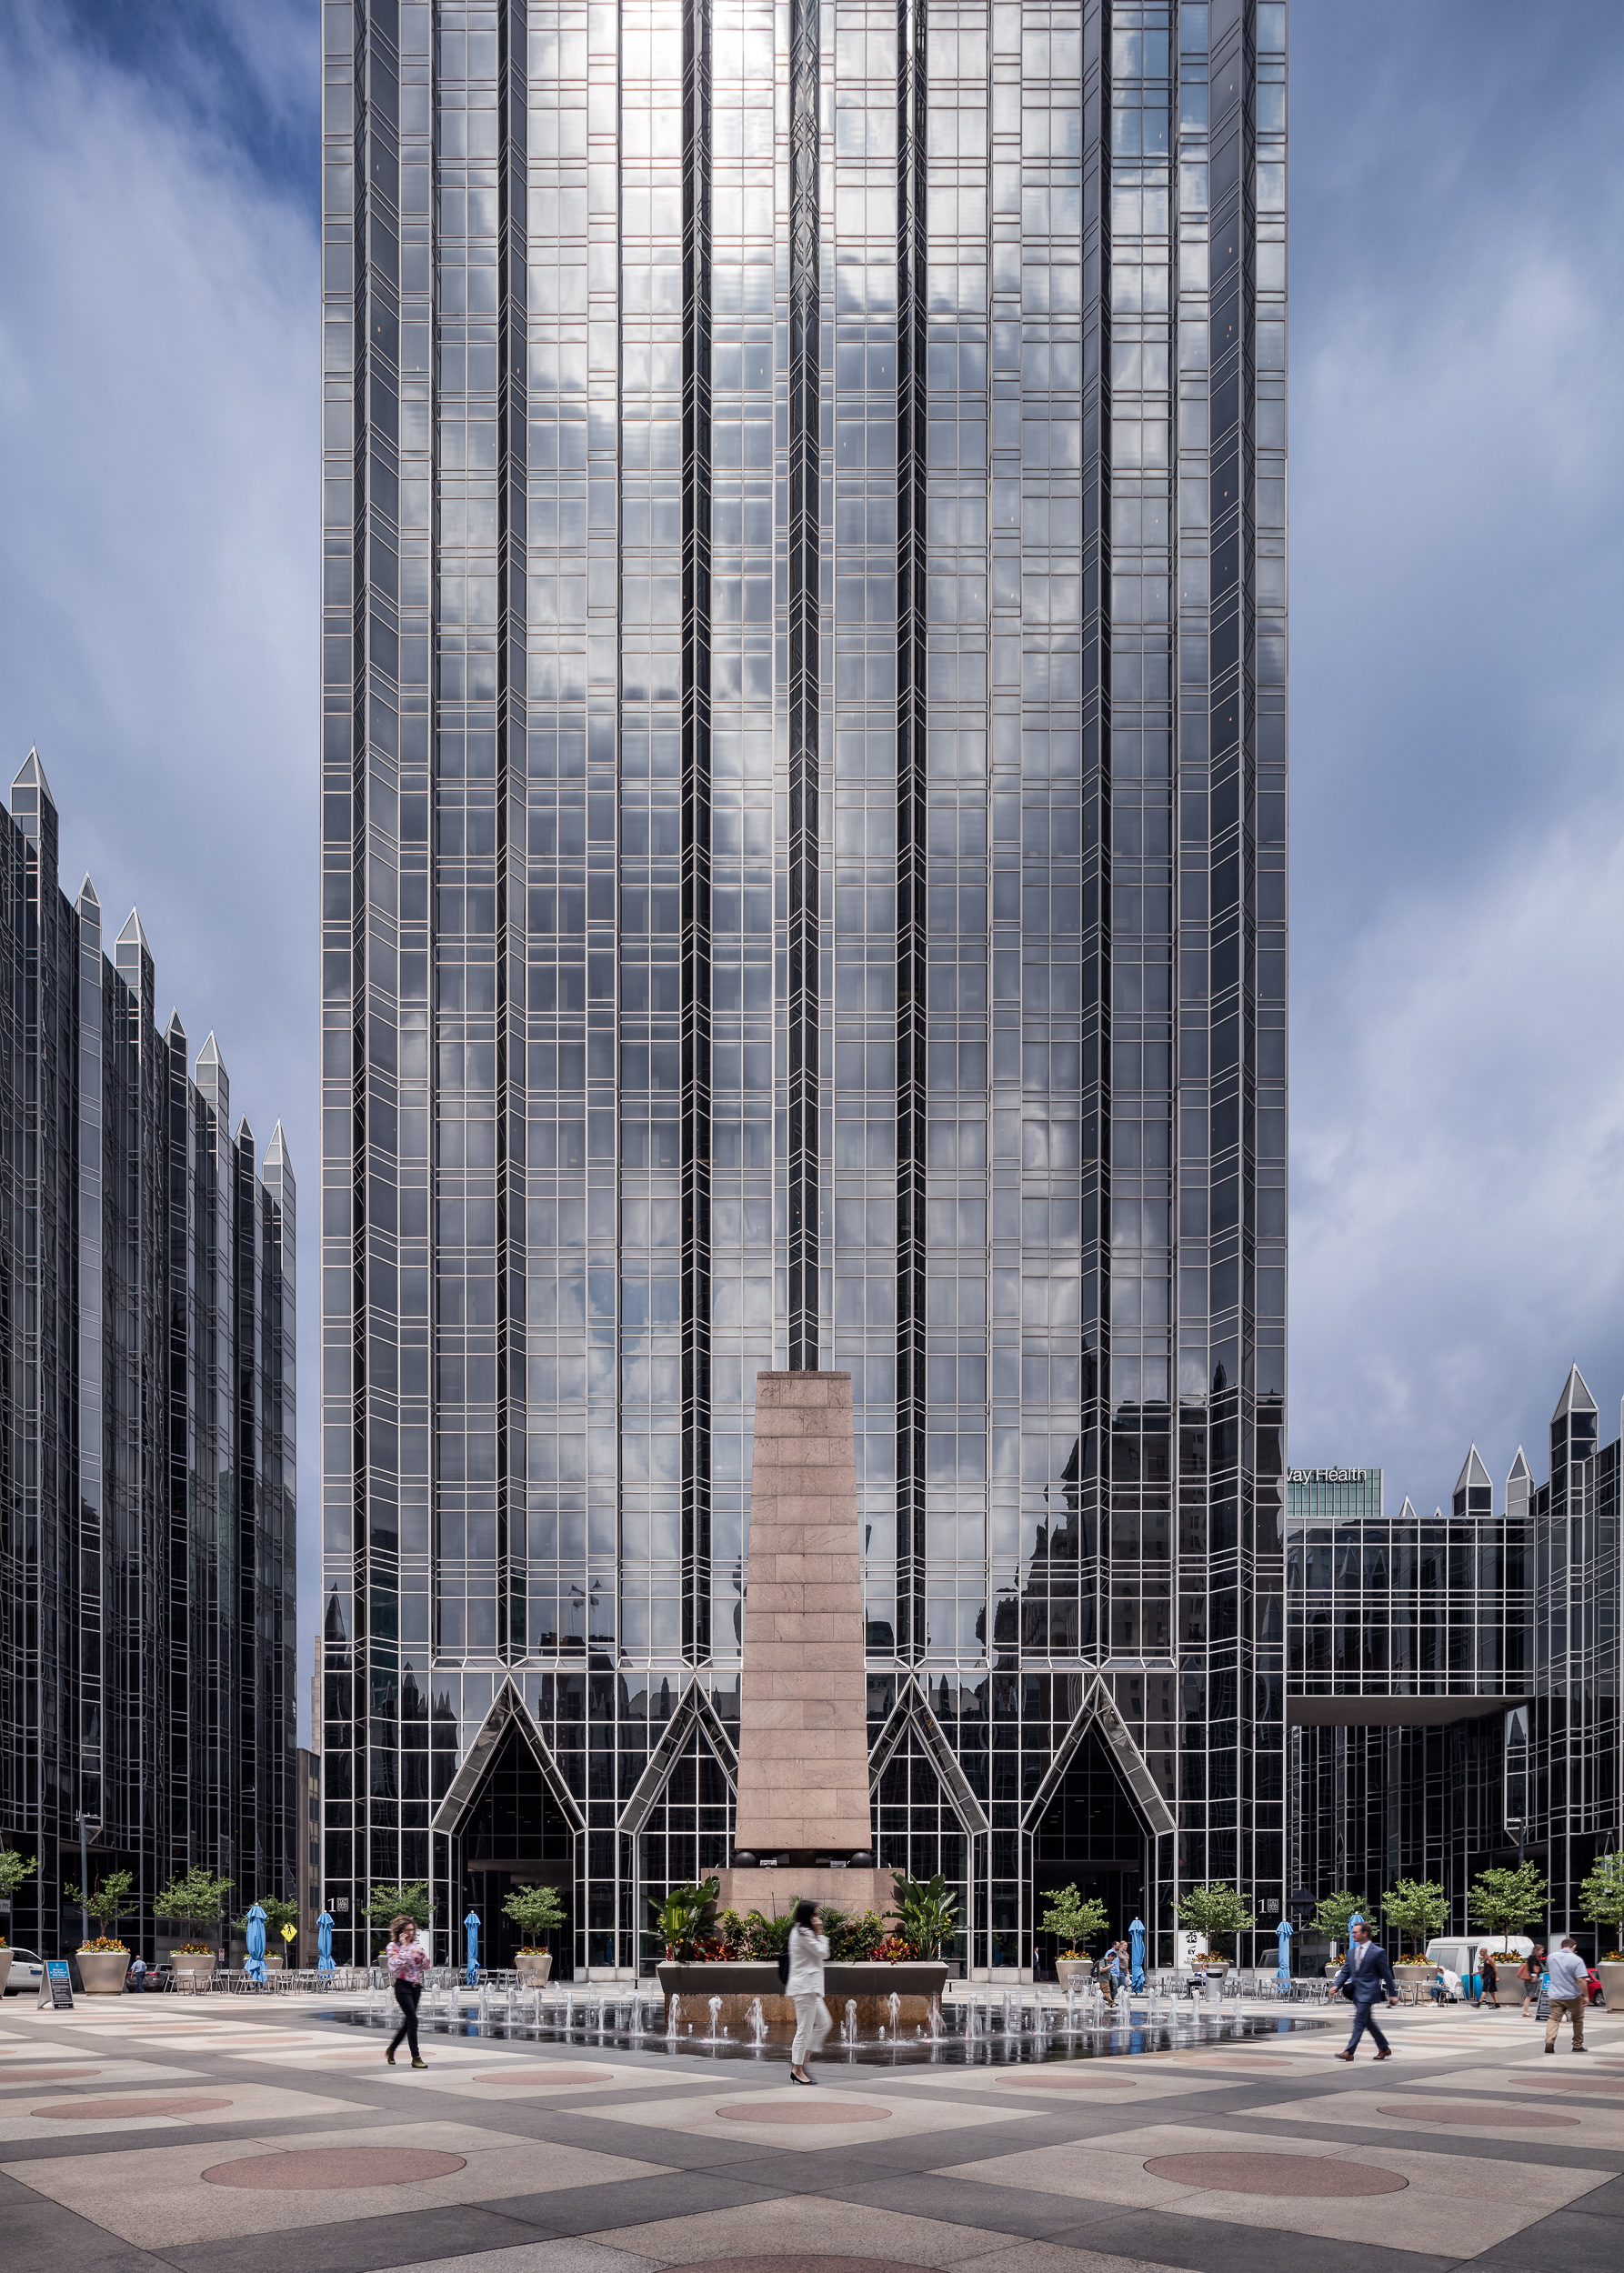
83	1878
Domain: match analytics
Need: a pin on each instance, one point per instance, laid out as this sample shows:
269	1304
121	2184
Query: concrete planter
1610	1972
199	1963
5	1969
101	1972
869	1987
534	1968
1073	1972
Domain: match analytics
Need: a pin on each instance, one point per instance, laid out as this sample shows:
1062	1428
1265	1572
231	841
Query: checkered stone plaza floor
241	2138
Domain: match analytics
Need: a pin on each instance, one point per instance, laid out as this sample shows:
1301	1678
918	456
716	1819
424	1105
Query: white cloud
158	551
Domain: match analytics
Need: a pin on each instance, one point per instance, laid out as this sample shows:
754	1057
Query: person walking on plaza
1490	1981
1366	1974
1529	1973
1567	1972
808	1954
409	1963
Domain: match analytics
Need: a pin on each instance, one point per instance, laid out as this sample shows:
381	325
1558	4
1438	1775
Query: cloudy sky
1457	904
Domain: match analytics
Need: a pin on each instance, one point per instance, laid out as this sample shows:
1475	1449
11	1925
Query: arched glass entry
513	1833
1091	1835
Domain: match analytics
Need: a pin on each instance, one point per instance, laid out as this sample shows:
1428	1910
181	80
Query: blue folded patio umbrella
323	1942
471	1924
1135	1945
1283	1934
254	1963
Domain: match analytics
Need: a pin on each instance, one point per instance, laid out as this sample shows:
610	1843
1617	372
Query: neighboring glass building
147	1515
1454	1683
804	885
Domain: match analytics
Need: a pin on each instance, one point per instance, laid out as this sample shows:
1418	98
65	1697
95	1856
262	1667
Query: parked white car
28	1971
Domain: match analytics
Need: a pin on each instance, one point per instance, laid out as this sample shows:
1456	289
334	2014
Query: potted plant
279	1912
535	1910
1334	1919
1076	1921
680	1919
1506	1901
1214	1909
1601	1899
104	1959
924	1915
195	1901
1416	1906
14	1870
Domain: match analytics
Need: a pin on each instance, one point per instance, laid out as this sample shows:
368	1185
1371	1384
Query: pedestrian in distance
1567	1972
808	1954
1530	1973
1490	1980
408	1960
1366	1975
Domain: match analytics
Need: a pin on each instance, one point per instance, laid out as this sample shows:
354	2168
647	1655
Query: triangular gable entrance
508	1709
1099	1706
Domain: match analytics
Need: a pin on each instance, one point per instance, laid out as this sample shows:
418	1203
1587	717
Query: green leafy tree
278	1912
923	1911
14	1870
409	1898
1215	1910
1601	1897
195	1899
1507	1900
107	1903
1334	1916
535	1910
1076	1919
679	1916
1416	1906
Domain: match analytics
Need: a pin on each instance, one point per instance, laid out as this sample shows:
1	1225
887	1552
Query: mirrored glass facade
147	1440
1454	1682
804	804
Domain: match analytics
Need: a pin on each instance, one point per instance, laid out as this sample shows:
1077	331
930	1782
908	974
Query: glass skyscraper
147	1498
804	792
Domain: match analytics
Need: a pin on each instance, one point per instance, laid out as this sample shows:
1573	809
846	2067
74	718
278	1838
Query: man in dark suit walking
1367	1973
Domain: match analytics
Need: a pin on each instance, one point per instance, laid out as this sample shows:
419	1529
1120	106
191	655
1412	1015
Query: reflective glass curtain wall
804	810
146	1424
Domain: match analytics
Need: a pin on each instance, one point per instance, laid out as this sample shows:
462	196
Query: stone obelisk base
772	1892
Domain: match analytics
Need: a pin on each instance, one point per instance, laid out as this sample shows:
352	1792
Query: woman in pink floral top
407	1962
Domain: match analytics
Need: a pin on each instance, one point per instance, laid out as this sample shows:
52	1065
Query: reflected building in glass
1454	1682
805	834
147	1501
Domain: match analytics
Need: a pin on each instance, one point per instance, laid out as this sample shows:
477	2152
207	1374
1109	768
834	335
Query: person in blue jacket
1366	1972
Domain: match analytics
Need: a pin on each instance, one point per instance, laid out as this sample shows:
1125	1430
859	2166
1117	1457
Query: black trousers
407	1993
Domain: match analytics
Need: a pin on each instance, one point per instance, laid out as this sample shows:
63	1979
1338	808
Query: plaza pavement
239	2137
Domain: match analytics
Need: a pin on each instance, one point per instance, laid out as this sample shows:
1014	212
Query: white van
1459	1955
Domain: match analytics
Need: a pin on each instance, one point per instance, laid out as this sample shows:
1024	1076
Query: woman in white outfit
808	1954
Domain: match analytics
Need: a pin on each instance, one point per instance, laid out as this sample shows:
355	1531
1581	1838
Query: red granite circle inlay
1488	2116
553	2077
44	2075
116	2110
1586	2082
322	2168
1283	2176
795	2264
802	2112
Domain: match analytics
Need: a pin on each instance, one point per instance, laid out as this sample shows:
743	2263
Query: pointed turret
31	775
34	809
1519	1488
88	902
1575	1397
1474	1476
132	936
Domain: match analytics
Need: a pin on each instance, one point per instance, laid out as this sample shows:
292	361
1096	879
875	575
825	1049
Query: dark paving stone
635	2201
1573	2240
1215	2246
45	2237
1020	2210
794	2265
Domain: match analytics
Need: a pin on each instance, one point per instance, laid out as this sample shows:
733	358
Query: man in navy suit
1366	1970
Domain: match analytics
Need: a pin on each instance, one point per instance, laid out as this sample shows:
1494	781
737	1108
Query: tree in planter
278	1912
679	1916
1215	1910
1601	1899
407	1898
14	1870
107	1904
1335	1916
535	1910
1074	1919
923	1914
1416	1906
194	1901
1507	1900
